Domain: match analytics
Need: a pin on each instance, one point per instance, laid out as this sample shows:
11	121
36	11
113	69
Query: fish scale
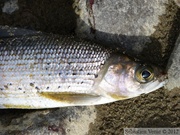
49	63
40	70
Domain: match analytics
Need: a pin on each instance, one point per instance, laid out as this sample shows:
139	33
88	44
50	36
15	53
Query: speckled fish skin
35	64
43	63
46	71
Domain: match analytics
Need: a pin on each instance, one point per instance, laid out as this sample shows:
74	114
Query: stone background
143	29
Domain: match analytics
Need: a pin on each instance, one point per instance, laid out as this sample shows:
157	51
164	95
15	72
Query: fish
41	70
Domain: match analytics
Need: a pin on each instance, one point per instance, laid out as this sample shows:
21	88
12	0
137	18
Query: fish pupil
145	74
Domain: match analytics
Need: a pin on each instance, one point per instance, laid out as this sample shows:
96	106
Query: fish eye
144	74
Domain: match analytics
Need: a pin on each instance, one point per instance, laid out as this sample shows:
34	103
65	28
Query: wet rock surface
147	30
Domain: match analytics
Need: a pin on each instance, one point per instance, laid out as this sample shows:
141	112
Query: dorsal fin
6	31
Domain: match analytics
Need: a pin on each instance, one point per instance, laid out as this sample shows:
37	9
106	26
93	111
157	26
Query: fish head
127	78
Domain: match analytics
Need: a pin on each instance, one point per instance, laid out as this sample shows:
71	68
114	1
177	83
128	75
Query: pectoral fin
69	97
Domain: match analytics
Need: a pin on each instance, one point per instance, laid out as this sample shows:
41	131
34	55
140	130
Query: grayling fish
43	71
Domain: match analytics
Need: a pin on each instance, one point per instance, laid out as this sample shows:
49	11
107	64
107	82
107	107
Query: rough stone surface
131	18
158	109
55	16
173	67
177	2
116	26
10	6
70	120
137	27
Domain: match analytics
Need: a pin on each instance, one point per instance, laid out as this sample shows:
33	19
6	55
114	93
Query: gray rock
10	6
131	26
177	2
55	16
173	67
69	120
125	17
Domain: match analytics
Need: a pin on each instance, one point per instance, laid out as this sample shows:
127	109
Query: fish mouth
157	85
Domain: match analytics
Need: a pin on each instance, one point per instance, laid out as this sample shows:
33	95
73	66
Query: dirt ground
158	109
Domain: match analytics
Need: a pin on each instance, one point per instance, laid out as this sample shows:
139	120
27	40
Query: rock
177	2
53	17
69	120
139	28
159	109
173	67
10	6
125	17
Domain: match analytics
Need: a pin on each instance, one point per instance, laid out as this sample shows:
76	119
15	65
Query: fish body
46	71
